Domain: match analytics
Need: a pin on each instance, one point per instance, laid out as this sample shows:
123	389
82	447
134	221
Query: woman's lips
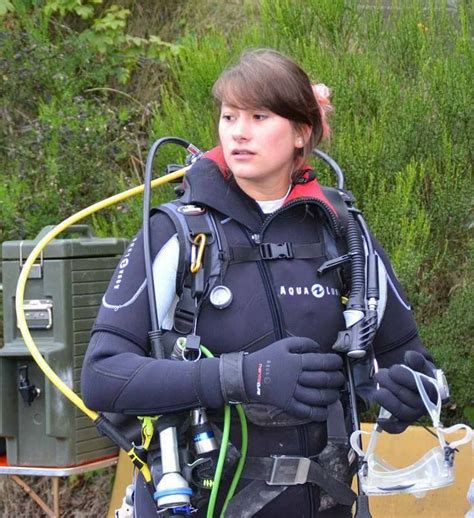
242	154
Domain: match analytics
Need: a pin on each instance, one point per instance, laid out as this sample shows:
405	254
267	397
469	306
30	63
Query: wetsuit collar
210	183
205	184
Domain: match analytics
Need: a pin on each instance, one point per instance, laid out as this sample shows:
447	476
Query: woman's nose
240	131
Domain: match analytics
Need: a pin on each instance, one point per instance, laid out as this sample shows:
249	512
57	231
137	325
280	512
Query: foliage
107	34
63	144
451	332
73	133
400	83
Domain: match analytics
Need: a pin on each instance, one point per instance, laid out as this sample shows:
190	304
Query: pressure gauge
221	297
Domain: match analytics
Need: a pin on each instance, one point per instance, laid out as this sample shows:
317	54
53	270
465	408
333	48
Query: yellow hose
20	289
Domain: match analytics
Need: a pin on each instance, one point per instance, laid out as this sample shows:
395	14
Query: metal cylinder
202	433
169	450
173	489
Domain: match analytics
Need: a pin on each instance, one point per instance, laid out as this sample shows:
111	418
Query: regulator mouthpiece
356	340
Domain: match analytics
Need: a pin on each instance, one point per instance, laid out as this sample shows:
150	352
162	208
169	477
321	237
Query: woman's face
259	148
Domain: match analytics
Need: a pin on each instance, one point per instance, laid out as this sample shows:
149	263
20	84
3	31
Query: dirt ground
81	496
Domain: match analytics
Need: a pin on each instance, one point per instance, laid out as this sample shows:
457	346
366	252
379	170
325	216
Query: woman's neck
264	192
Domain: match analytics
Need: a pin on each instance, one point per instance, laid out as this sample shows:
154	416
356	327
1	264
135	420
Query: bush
400	83
64	143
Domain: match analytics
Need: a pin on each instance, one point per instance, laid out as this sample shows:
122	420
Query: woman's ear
303	134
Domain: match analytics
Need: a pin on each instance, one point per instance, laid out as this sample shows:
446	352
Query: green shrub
400	83
451	332
64	144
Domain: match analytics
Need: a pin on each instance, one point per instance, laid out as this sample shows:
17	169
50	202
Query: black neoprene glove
399	394
290	374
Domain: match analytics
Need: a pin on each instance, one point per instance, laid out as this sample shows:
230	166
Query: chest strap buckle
276	251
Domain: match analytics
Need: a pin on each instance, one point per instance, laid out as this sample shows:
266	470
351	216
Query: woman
282	315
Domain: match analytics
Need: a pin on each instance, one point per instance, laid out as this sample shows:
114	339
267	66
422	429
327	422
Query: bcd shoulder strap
189	222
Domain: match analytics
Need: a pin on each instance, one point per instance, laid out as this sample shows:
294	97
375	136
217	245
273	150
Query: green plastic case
62	297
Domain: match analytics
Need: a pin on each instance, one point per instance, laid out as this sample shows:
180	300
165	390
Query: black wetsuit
271	300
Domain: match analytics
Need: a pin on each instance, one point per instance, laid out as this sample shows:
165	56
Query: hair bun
322	94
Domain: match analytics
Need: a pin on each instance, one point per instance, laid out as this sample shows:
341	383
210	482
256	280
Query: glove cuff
232	378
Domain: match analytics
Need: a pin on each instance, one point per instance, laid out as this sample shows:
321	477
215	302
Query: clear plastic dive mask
434	470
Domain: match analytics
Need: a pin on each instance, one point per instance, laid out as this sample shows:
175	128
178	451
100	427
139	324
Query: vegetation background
87	85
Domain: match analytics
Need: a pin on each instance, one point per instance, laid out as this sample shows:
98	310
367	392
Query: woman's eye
260	116
226	117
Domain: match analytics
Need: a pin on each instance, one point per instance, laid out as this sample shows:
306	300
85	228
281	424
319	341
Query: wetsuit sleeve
118	373
398	331
119	377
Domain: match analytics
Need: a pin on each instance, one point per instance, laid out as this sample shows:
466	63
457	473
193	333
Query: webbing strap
335	423
252	498
272	251
198	224
286	470
231	378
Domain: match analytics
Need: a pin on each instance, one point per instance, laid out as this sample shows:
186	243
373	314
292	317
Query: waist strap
283	470
271	476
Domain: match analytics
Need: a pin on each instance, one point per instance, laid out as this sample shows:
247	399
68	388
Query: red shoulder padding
217	156
311	189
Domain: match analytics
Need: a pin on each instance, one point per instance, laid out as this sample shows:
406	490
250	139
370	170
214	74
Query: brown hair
264	78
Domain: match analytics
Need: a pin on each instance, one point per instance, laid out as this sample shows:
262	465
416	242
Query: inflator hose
356	251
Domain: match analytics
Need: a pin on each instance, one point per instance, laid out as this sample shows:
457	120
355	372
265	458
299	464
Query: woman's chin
246	173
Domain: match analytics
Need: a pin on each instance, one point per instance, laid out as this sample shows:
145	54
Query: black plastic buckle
332	263
183	321
289	471
276	251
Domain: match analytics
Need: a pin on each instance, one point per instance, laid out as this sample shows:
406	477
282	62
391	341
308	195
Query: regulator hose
100	421
155	333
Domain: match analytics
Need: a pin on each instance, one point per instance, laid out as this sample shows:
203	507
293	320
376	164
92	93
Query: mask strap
467	437
356	444
434	409
435	412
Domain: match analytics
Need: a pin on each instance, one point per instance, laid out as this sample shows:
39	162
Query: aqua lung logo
316	290
123	264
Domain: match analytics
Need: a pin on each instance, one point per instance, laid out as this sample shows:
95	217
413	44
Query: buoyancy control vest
207	286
